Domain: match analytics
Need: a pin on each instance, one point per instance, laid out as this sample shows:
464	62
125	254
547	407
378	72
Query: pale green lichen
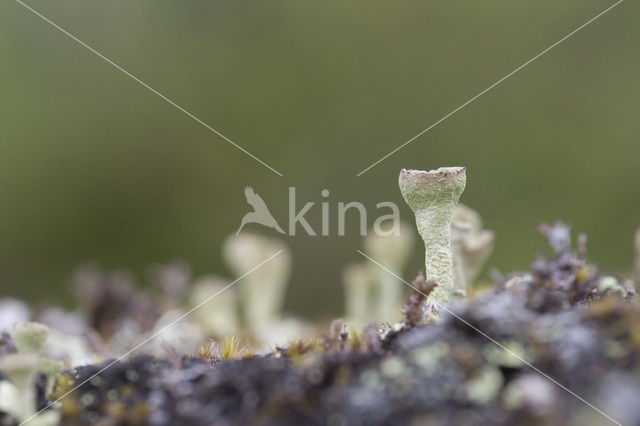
29	337
358	290
484	387
429	357
471	247
216	304
609	284
433	196
510	353
262	295
460	232
393	251
18	395
531	391
394	368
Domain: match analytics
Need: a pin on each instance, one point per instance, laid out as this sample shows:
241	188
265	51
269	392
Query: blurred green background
95	167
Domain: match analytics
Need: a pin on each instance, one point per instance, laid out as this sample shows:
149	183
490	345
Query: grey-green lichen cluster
433	196
371	293
18	397
471	246
262	293
565	316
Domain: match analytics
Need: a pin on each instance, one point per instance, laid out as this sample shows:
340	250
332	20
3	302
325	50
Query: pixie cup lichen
262	294
29	337
472	247
393	249
219	315
358	288
433	196
18	396
460	232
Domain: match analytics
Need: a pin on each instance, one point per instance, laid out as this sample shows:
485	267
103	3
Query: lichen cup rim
422	175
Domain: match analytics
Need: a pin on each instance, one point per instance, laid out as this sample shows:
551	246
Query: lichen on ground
563	321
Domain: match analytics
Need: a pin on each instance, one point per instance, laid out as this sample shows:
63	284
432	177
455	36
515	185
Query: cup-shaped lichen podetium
433	196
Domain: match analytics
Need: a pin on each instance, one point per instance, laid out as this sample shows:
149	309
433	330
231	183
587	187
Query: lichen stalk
433	196
357	289
393	250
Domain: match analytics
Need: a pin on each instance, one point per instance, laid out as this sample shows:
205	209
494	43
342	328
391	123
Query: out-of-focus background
95	167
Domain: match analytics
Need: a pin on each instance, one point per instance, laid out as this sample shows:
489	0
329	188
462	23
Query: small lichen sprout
393	249
219	315
357	283
460	232
261	294
472	246
433	196
29	337
18	397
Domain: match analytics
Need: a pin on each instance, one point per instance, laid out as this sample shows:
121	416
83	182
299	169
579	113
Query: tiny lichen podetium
433	196
472	246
